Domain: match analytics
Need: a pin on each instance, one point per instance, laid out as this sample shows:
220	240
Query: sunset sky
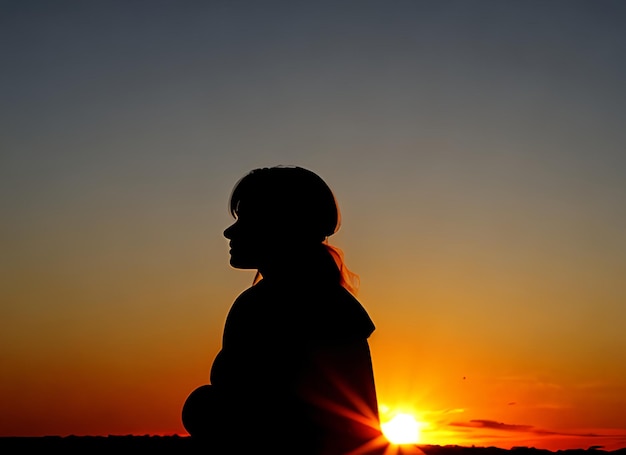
477	151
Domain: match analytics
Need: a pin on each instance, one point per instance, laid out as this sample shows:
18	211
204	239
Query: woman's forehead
256	206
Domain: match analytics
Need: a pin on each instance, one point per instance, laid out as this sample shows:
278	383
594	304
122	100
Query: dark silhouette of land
183	445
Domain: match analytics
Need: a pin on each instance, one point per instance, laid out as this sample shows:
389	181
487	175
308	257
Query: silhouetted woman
294	374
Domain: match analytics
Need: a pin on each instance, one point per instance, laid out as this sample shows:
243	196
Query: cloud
493	425
507	435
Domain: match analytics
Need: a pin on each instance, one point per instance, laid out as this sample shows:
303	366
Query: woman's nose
228	232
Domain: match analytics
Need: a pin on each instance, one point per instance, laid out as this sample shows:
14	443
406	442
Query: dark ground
183	445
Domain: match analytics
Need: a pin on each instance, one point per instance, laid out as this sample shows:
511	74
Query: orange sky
476	151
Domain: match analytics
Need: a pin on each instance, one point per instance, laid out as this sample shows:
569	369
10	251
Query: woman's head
279	211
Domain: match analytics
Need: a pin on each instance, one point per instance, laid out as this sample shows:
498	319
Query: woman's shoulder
328	310
248	299
257	301
248	313
248	294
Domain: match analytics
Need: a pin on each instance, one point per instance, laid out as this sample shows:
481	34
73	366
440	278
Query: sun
402	428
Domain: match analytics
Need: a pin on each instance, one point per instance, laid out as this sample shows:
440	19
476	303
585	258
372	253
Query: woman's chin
240	264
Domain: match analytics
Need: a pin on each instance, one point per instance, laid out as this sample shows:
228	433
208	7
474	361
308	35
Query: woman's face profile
252	238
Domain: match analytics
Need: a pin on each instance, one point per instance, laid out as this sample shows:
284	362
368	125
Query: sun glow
402	428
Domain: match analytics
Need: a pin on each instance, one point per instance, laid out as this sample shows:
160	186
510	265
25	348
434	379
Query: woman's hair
298	201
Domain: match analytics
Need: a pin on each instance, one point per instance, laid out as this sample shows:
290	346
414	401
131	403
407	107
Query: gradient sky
476	149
